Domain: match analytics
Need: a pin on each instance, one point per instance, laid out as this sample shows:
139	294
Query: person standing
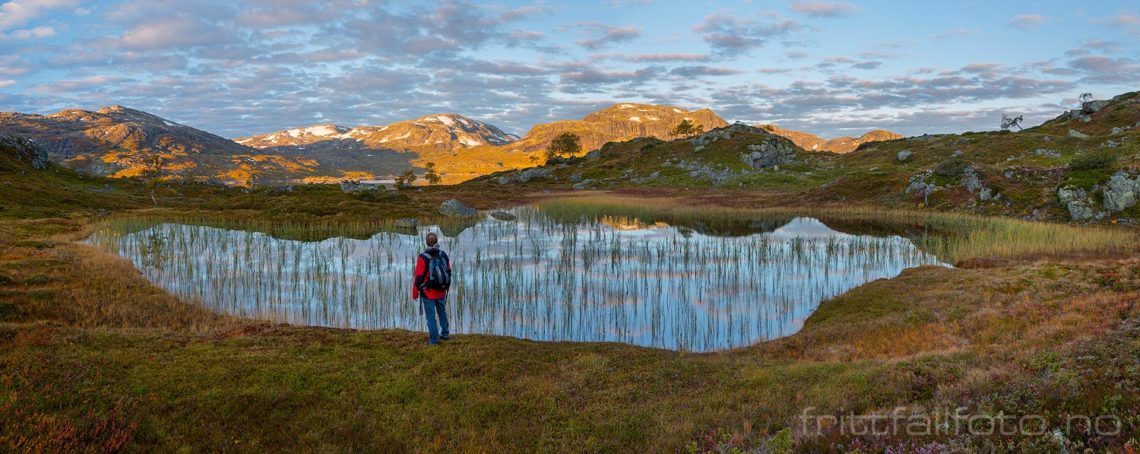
432	279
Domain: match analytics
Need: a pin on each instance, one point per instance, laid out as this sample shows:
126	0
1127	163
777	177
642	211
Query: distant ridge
812	142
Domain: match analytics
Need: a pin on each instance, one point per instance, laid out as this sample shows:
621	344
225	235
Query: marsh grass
952	237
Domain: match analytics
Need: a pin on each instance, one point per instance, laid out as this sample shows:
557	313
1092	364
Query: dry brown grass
55	279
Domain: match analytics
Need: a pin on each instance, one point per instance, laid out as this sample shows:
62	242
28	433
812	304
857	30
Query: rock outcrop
455	208
24	150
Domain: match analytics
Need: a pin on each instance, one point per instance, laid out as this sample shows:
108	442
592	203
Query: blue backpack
437	273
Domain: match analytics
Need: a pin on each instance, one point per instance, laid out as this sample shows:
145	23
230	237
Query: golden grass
950	236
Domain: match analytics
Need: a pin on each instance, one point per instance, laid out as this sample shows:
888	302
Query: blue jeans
431	308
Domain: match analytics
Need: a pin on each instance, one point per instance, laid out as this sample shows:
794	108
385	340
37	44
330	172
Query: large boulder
1076	200
769	153
454	208
1077	134
1092	107
904	155
535	173
1121	192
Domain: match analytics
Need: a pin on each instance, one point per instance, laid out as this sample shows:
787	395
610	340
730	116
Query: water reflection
611	280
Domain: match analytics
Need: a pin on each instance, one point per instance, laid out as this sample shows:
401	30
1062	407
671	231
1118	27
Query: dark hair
431	239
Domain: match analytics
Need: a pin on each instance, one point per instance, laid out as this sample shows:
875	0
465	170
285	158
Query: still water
607	279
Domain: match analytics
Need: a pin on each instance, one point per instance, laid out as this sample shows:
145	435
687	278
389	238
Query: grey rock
1121	192
1077	134
956	154
575	178
655	175
503	216
534	173
770	153
502	181
1092	107
1047	138
918	184
594	155
904	155
1046	153
971	180
455	208
584	184
699	148
985	194
1077	202
1116	131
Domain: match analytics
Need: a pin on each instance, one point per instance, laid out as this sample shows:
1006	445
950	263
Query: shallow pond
605	279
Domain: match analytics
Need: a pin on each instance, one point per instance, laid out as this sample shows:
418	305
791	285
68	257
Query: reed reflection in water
610	280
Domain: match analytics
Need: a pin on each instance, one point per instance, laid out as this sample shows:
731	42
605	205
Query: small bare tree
1010	122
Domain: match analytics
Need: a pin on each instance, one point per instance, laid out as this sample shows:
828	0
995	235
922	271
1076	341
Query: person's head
431	239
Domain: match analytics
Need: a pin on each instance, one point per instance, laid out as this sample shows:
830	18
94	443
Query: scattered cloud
819	8
7	82
730	34
602	35
1028	21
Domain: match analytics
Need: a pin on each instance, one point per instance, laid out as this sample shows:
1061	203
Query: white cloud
19	12
5	83
29	33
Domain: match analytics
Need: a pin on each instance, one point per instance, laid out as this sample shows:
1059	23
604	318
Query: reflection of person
431	280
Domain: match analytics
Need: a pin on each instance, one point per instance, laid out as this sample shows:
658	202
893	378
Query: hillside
616	123
809	141
1082	168
120	142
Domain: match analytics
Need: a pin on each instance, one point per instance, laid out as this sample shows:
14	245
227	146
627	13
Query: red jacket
421	269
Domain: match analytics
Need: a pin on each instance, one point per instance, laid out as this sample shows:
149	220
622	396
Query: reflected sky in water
613	280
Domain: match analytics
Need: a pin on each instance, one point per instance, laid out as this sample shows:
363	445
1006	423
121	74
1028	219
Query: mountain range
122	142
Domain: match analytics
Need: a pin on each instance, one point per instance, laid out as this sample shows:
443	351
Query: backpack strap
421	280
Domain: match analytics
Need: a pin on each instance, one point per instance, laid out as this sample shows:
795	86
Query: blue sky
238	67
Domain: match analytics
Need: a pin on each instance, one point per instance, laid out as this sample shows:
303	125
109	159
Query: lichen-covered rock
919	185
971	180
1077	134
1077	202
535	173
770	153
904	155
1121	192
455	208
1116	131
1046	153
1092	107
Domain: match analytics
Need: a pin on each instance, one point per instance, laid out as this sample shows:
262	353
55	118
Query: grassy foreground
94	358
